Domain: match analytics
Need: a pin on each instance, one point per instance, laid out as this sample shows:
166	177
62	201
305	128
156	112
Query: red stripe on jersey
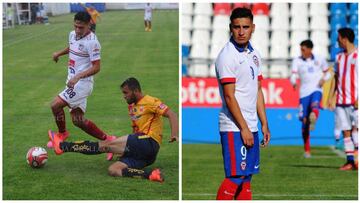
343	81
352	83
260	78
232	153
228	80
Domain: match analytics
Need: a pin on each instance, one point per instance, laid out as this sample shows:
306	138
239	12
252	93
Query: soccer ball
36	157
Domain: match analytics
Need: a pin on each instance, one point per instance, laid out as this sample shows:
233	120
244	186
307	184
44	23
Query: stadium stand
280	27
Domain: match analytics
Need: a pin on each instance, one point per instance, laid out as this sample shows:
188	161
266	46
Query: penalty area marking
29	37
275	195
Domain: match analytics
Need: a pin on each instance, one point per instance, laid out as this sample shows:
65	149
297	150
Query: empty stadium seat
212	71
198	70
202	22
279	71
263	49
354	22
319	23
260	37
200	37
300	22
221	22
279	37
261	22
187	9
186	22
260	9
334	50
265	71
215	50
279	51
333	37
321	50
337	21
185	51
203	9
295	51
318	9
185	37
241	5
279	9
353	10
338	9
280	23
320	37
199	51
222	8
220	37
299	9
297	37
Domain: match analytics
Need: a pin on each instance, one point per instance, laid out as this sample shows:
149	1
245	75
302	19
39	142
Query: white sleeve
94	49
225	69
324	65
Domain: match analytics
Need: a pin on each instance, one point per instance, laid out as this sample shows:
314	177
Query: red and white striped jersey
346	67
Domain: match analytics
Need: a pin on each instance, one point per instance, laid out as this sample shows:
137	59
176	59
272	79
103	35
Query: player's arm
174	124
95	68
233	106
332	91
62	52
260	107
326	77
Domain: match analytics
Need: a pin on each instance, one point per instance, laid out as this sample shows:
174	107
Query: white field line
29	37
338	152
275	195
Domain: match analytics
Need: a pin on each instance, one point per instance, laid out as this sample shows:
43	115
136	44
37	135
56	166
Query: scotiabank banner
204	92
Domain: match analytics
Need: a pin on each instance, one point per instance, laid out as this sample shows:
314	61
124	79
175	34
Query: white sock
354	135
348	146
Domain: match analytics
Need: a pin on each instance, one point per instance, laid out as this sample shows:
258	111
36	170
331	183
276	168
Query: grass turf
284	174
31	80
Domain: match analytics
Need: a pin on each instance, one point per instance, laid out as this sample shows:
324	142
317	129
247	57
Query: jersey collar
304	59
241	48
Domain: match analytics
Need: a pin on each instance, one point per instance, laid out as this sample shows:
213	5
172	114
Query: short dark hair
83	17
132	83
241	12
347	33
308	43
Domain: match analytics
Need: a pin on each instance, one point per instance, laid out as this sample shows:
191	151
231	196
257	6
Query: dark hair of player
347	33
132	84
308	43
241	13
83	17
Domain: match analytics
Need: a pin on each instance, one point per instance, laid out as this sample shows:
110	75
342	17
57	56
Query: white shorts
77	97
346	117
147	17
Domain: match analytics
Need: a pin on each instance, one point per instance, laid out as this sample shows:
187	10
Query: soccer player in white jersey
346	92
313	72
147	17
84	62
239	78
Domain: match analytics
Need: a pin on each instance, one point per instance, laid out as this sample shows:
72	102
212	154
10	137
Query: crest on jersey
81	47
256	60
243	165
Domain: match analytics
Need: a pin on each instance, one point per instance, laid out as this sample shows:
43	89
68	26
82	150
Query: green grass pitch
284	174
31	80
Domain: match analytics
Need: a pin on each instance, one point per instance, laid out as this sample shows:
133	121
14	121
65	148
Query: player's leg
244	191
314	108
146	25
305	127
57	108
354	133
149	22
337	133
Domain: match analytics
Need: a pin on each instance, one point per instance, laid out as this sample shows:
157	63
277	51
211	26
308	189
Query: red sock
60	120
245	193
306	138
226	190
316	111
91	129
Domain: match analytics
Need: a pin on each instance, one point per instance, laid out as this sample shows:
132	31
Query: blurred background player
313	72
136	150
84	62
95	15
346	92
239	78
147	17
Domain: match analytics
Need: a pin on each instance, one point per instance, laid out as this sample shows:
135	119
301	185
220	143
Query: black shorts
140	151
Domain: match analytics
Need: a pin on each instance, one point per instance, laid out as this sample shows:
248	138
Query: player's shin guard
227	190
91	129
135	173
84	147
306	137
349	149
60	120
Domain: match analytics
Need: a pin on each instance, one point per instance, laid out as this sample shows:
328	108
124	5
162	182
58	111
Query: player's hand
173	138
247	137
321	82
266	134
55	57
73	81
294	86
331	104
356	105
